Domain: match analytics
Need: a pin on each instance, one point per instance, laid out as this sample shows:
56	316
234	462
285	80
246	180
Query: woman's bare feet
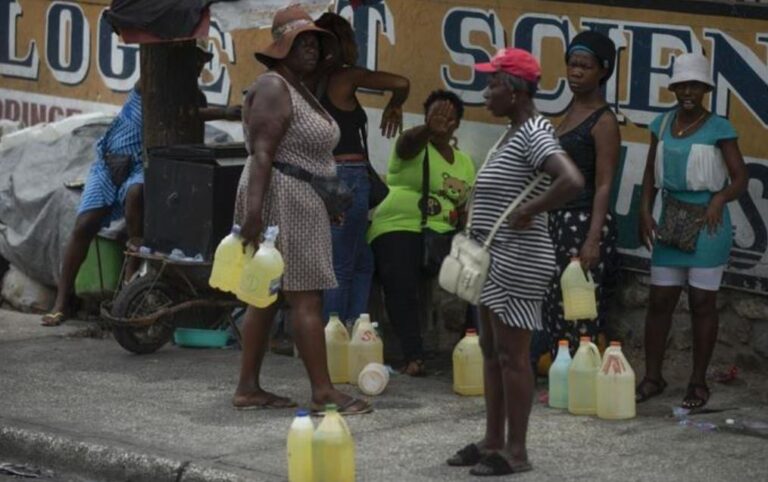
258	399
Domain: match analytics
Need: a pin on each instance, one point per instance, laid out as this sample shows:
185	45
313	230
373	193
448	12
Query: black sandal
657	388
466	457
692	400
495	464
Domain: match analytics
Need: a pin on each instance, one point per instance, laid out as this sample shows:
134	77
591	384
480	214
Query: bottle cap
333	313
235	229
576	259
615	343
563	342
471	332
585	338
302	413
331	407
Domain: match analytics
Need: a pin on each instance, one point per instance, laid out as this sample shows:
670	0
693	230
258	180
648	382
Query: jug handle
595	355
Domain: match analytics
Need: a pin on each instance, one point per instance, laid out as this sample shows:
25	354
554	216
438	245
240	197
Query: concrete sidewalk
86	406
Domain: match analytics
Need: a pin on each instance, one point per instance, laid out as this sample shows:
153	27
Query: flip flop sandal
317	410
692	400
419	371
495	464
658	387
466	457
270	403
53	319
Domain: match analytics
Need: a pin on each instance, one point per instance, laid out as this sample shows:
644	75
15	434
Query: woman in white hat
694	159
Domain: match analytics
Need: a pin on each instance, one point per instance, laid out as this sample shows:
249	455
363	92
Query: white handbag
465	269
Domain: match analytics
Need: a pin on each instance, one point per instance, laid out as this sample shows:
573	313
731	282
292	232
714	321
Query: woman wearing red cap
522	257
283	122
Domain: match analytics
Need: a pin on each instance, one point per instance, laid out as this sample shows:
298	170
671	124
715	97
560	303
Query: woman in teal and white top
694	158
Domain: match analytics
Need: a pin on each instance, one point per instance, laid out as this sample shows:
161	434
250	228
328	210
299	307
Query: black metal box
189	196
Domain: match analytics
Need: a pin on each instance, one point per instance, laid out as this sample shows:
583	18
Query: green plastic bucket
88	282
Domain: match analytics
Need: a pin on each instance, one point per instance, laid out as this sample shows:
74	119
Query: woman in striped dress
522	257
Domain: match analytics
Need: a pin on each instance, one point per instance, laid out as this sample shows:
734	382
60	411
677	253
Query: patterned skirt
569	229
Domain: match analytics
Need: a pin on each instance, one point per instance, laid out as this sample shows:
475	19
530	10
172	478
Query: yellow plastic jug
364	348
263	273
228	262
300	448
333	449
582	377
615	386
578	289
468	365
337	349
558	376
361	318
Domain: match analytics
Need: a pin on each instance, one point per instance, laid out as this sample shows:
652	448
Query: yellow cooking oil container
468	365
578	289
228	262
615	385
337	349
582	378
333	449
299	448
263	273
365	347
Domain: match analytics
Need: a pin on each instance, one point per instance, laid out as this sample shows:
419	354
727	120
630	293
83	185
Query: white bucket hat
691	67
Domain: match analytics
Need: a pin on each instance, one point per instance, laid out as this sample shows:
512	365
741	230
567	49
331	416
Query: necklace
680	132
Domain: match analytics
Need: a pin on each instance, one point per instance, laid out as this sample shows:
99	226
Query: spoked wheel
142	297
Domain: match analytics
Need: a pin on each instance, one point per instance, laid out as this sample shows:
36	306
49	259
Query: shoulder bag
379	189
435	246
465	269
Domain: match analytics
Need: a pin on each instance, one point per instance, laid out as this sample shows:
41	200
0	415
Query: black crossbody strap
425	187
294	171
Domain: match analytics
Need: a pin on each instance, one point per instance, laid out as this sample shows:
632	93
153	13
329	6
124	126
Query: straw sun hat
289	23
691	68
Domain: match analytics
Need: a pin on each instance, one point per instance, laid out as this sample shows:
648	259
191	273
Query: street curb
102	461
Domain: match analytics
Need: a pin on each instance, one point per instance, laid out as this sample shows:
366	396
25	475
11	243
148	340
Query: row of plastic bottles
255	278
349	354
589	385
323	455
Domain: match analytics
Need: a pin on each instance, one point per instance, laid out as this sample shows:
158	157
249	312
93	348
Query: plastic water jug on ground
263	273
300	448
228	262
337	349
373	379
364	348
558	376
333	449
615	386
582	377
468	365
578	288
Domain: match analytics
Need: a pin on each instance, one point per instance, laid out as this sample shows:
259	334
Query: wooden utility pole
170	95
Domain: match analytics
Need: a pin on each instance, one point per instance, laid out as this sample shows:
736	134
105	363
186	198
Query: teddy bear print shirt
449	187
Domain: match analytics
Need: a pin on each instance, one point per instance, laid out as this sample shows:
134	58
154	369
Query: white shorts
702	278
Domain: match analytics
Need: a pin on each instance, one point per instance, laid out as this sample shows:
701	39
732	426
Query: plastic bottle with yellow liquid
468	365
262	273
299	448
615	385
337	349
228	262
582	377
578	289
558	376
360	319
365	347
333	449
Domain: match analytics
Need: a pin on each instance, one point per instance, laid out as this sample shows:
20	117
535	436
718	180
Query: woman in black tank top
585	226
336	88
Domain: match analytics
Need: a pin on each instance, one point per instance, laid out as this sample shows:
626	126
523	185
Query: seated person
114	189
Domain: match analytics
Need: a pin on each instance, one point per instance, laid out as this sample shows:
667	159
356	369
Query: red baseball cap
517	62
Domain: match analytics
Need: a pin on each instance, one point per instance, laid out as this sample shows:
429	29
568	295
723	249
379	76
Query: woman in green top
395	232
692	155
